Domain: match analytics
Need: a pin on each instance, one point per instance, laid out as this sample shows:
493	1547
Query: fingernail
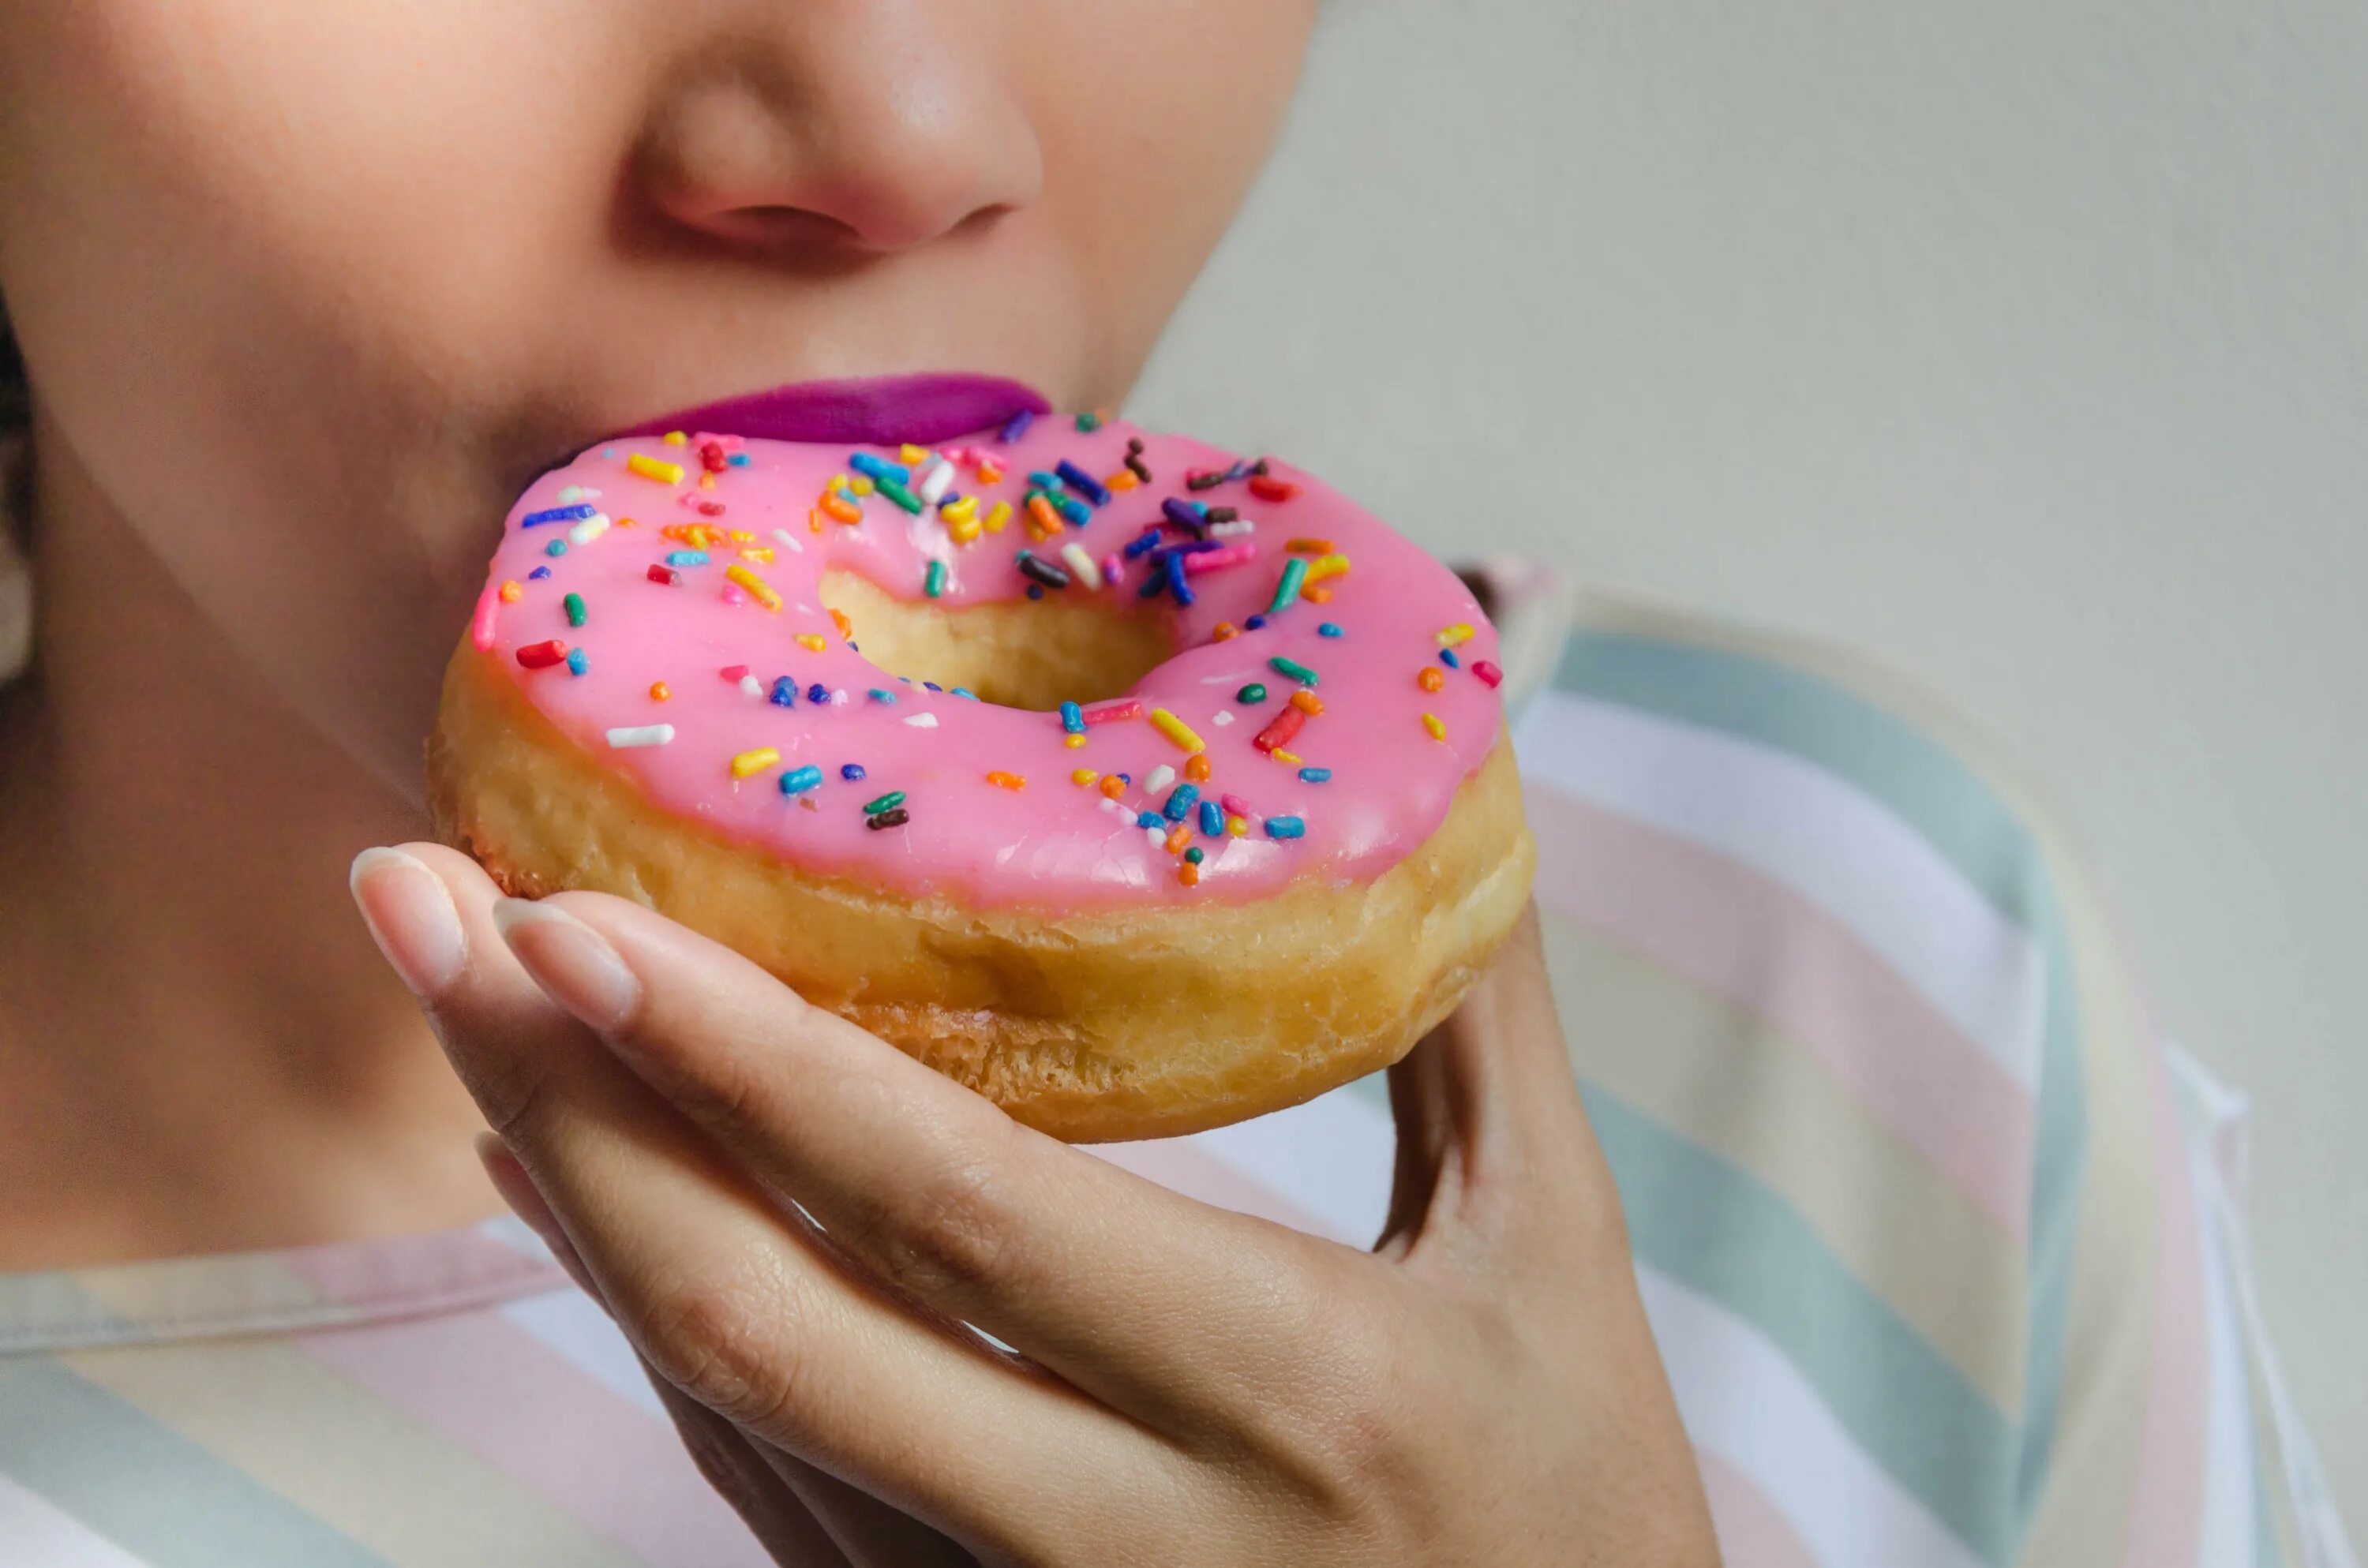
574	963
410	915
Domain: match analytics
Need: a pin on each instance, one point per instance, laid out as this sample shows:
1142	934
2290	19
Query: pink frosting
1053	844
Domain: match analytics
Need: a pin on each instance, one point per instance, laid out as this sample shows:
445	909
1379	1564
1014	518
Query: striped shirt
1938	1236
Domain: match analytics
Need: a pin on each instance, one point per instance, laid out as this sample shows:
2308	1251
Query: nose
868	125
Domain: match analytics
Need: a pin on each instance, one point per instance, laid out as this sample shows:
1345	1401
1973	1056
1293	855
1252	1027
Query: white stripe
35	1530
2301	1479
1818	835
1744	1402
2228	1501
1332	1156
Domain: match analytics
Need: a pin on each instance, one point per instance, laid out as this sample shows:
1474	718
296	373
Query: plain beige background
2022	345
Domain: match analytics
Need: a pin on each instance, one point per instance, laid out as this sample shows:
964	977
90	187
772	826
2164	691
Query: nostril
770	225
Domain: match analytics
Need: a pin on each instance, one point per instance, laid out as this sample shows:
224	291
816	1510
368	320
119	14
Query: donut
1139	786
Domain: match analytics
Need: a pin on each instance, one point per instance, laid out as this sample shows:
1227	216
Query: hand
1194	1385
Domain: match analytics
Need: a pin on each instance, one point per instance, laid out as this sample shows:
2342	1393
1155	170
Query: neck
199	1048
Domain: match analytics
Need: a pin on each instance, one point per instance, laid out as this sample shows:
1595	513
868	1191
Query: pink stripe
2166	1496
1752	1533
1753	941
423	1274
504	1396
1182	1165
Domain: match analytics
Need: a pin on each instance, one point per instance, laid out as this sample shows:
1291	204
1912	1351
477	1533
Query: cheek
1155	118
245	247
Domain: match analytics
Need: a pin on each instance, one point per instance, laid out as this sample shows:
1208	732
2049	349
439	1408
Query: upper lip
864	409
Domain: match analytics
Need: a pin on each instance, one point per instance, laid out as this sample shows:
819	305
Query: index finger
1164	1307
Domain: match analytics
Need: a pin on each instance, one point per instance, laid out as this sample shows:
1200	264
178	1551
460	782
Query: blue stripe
1933	791
1725	1233
145	1487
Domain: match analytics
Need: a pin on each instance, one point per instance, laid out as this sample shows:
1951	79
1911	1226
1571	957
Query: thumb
1490	1127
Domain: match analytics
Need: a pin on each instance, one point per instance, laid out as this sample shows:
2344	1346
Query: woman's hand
1194	1385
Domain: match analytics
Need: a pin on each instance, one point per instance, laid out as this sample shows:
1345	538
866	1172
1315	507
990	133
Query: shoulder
1879	1036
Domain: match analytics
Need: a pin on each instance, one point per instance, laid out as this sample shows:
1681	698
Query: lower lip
872	410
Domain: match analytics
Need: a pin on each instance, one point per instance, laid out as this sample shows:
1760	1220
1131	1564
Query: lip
864	409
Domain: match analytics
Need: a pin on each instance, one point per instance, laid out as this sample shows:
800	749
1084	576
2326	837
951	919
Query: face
309	290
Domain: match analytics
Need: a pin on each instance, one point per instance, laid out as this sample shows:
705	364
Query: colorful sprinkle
933	582
1084	483
1428	678
1490	674
923	721
1083	775
1073	718
1113	786
573	605
998	517
837	505
902	497
1285	827
1431	722
935	483
877	469
1292	668
1276	735
758	589
555	548
660	691
1040	513
1178	839
1090	423
1314	776
1197	768
653	467
1449	636
542	655
1179	800
1175	730
1212	819
887	803
1081	565
1328	629
1040	570
1113	712
683	558
798	780
1189	873
1159	778
588	530
755	761
1310	547
1286	592
556	515
1325	566
1148	819
1265	487
631	735
1253	692
511	592
1017	426
1447	656
1307	702
895	818
784	693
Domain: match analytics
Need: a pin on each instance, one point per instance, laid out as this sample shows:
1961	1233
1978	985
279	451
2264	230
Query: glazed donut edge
1093	1025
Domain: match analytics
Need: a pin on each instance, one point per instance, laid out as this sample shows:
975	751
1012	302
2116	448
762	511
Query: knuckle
730	1335
954	1232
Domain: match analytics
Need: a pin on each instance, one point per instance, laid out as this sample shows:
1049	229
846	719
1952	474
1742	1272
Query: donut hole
1033	653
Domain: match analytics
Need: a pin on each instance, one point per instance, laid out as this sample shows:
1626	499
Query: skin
306	294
